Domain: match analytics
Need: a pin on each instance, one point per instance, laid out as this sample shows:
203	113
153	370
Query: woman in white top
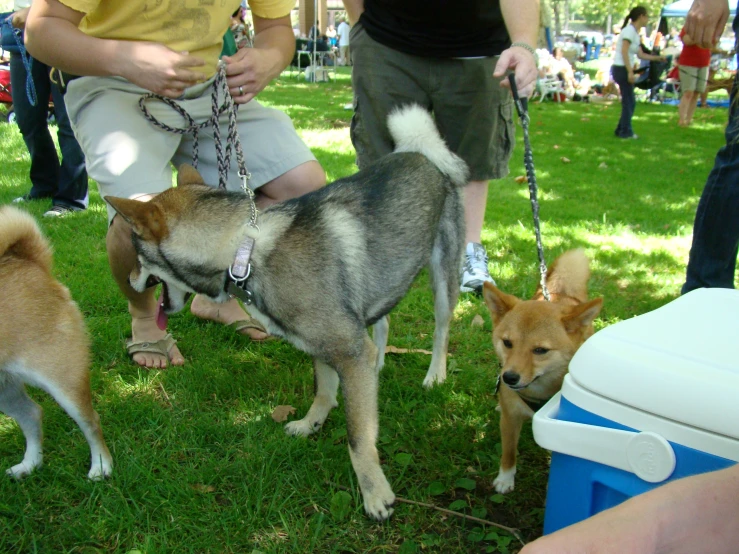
628	45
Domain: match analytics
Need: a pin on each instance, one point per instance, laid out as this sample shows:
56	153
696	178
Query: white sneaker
475	268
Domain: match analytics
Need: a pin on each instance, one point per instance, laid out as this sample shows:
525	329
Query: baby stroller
651	77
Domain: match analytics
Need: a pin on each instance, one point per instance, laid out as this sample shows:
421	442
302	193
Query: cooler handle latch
646	454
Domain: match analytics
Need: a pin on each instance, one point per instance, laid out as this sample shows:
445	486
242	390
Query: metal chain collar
223	158
528	161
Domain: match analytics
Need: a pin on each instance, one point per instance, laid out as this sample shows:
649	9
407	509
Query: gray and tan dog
43	343
324	267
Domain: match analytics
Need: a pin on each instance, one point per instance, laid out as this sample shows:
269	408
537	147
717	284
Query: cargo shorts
473	112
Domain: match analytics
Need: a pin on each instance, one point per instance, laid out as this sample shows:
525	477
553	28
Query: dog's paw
505	481
302	427
100	471
21	470
434	378
379	502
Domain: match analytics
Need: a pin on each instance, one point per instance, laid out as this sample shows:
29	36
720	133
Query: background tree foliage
595	12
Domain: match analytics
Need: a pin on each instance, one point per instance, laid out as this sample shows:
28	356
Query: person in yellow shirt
122	50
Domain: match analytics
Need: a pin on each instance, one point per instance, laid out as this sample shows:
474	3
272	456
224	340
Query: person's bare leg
475	200
298	181
475	263
691	108
685	102
291	184
141	306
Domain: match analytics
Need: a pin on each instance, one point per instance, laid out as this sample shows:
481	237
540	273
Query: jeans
716	228
628	101
65	182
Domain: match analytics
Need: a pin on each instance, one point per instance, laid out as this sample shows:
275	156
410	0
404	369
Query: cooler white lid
679	361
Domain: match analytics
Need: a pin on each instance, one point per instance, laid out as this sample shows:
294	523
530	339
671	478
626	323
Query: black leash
528	162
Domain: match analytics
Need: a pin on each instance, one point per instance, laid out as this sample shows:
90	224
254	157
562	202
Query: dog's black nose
511	378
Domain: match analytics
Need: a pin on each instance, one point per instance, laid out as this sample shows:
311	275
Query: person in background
713	252
435	55
342	34
628	45
131	157
693	63
64	182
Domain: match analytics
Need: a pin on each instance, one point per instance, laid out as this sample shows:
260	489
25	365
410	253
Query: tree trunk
556	8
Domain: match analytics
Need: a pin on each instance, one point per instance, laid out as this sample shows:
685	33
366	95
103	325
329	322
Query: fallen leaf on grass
520	179
203	488
603	165
280	413
565	160
477	321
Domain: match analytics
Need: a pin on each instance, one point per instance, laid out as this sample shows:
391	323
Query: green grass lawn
200	466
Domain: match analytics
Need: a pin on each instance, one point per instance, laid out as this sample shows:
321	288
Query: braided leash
223	158
27	60
528	161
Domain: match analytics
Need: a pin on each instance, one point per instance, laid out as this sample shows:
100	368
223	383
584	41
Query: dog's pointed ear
498	302
582	315
146	218
188	175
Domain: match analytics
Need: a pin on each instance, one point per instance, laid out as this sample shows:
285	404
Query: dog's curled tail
21	237
413	130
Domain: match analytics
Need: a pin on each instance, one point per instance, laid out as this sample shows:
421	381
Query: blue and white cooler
647	401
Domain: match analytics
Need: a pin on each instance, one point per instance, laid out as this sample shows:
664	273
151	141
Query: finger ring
241	91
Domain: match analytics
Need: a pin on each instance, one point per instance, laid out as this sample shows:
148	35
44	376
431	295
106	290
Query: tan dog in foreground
43	343
535	341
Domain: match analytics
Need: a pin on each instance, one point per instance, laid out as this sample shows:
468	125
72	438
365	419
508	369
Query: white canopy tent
681	8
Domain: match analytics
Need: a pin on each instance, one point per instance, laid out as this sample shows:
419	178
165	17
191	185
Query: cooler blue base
580	488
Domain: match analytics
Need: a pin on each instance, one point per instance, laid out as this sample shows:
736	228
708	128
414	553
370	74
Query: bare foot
226	313
146	329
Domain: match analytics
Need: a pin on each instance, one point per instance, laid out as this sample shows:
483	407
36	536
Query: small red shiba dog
43	343
535	341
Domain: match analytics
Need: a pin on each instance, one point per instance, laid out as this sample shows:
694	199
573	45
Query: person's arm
695	514
19	18
522	21
252	69
354	9
706	20
642	55
53	36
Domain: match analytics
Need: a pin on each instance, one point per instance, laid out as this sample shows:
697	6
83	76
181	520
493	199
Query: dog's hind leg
76	400
359	382
15	402
444	269
380	332
325	388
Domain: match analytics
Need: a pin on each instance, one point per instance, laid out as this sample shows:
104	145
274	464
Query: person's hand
18	19
159	69
706	20
523	64
632	78
249	71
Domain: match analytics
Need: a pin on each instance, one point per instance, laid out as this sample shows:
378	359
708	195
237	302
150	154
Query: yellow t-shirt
182	25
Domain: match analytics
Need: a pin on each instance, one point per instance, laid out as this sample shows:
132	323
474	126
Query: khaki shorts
693	78
473	112
129	156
